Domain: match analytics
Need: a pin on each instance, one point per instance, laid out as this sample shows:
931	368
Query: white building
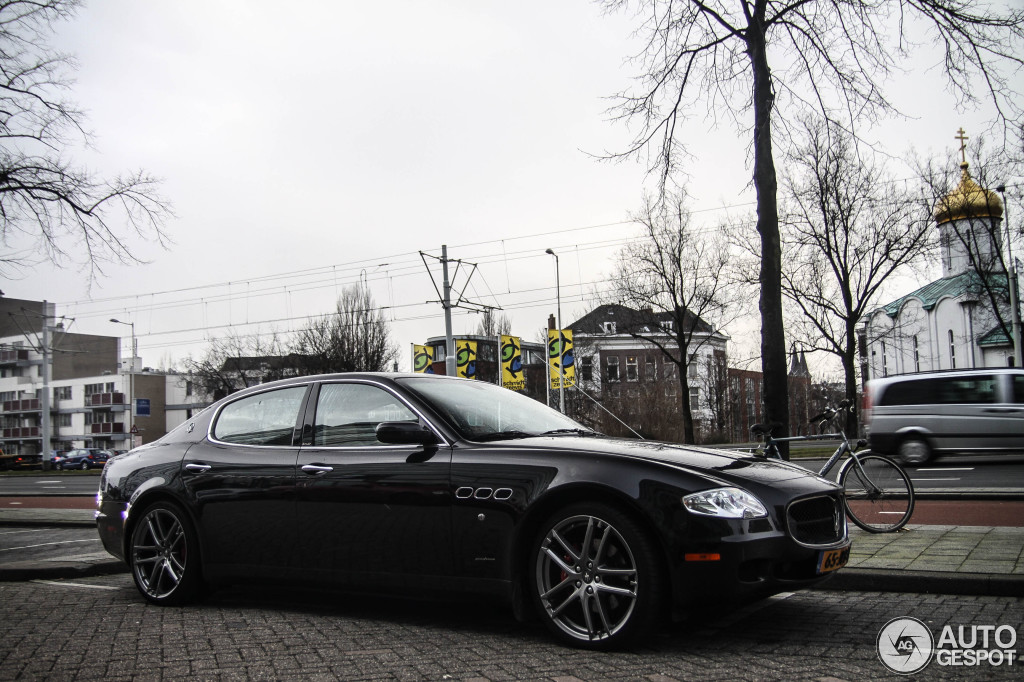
949	323
92	388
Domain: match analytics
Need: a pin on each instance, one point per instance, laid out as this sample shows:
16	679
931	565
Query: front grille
817	521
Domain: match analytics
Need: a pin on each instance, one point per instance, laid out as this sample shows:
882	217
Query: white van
915	417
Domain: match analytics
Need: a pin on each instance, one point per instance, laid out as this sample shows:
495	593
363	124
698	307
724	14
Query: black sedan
429	485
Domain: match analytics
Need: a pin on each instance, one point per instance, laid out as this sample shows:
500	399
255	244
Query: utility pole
45	401
450	360
446	303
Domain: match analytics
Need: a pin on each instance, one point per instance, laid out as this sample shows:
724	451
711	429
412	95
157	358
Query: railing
107	427
22	432
27	405
104	399
11	356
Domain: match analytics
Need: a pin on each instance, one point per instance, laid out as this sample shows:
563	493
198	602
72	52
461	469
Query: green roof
995	338
948	287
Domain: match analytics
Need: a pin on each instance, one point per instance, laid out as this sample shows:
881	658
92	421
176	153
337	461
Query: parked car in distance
431	485
82	458
915	417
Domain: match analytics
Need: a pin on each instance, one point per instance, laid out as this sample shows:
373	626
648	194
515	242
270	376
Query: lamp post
131	384
558	295
1011	275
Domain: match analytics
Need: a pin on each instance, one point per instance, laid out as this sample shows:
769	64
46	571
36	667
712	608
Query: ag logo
905	645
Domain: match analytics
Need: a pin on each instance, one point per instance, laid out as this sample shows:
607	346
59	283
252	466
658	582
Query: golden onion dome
968	200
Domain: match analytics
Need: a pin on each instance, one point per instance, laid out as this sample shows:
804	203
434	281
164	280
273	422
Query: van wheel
914	451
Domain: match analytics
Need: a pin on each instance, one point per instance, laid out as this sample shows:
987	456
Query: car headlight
726	503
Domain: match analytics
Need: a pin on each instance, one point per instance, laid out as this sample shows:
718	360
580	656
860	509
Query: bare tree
354	338
677	270
847	228
51	208
494	324
237	361
833	56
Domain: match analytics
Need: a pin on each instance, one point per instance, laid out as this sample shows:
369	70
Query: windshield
482	411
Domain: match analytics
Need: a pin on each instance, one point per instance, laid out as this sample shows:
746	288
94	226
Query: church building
950	323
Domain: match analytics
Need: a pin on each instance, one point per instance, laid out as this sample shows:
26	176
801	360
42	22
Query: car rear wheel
914	451
164	556
595	577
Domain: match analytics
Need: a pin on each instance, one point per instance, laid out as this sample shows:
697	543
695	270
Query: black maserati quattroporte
433	485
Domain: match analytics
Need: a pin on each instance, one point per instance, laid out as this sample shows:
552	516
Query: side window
347	414
1017	388
262	419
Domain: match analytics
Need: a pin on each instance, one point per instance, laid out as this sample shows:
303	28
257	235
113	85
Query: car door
241	481
370	513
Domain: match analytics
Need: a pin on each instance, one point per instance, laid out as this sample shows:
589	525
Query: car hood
720	464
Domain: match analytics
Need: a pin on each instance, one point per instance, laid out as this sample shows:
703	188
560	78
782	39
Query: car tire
602	597
85	465
914	451
164	556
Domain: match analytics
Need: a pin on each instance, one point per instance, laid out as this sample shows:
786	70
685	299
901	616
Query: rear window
1018	388
942	391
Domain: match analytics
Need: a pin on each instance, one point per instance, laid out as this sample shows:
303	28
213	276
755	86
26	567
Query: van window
1017	394
942	391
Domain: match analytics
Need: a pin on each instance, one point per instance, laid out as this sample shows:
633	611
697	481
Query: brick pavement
61	631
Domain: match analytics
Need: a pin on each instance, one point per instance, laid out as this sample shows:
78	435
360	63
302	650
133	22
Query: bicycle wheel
879	494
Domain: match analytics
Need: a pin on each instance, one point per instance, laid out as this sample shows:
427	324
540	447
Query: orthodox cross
963	144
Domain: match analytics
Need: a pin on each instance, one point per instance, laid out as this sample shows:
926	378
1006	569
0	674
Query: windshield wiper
578	432
502	435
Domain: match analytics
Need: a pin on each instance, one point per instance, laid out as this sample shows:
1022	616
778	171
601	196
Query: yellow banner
560	358
512	376
422	359
465	354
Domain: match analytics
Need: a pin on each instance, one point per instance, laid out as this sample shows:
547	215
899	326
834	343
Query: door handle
197	468
315	469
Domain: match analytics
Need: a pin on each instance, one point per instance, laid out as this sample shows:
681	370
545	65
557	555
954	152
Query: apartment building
92	388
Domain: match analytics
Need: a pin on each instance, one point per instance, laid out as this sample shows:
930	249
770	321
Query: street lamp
1011	275
131	384
561	370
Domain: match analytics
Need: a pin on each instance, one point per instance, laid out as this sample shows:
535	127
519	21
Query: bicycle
879	496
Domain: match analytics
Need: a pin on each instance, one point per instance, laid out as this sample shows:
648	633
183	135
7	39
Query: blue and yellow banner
422	359
512	376
465	354
560	358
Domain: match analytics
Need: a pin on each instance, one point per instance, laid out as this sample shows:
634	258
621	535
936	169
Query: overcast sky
308	146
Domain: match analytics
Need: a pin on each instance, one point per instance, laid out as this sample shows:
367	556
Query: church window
917	355
952	350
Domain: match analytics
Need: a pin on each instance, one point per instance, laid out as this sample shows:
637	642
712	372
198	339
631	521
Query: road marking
42	482
948	469
63	584
924	480
30	530
46	544
54	487
14	503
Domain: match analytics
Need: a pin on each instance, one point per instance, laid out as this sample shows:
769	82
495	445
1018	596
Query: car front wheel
595	577
85	465
164	556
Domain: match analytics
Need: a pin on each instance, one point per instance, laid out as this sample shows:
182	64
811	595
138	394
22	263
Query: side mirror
405	433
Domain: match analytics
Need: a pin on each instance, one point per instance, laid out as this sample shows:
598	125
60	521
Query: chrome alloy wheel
586	578
159	553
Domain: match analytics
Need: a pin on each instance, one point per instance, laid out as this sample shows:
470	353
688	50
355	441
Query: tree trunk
850	372
775	392
684	403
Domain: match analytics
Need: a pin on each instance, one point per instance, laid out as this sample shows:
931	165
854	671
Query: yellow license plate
833	559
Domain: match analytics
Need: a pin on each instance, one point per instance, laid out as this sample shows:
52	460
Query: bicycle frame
843	448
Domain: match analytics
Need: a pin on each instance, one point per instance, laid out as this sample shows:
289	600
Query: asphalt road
960	473
50	483
100	628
